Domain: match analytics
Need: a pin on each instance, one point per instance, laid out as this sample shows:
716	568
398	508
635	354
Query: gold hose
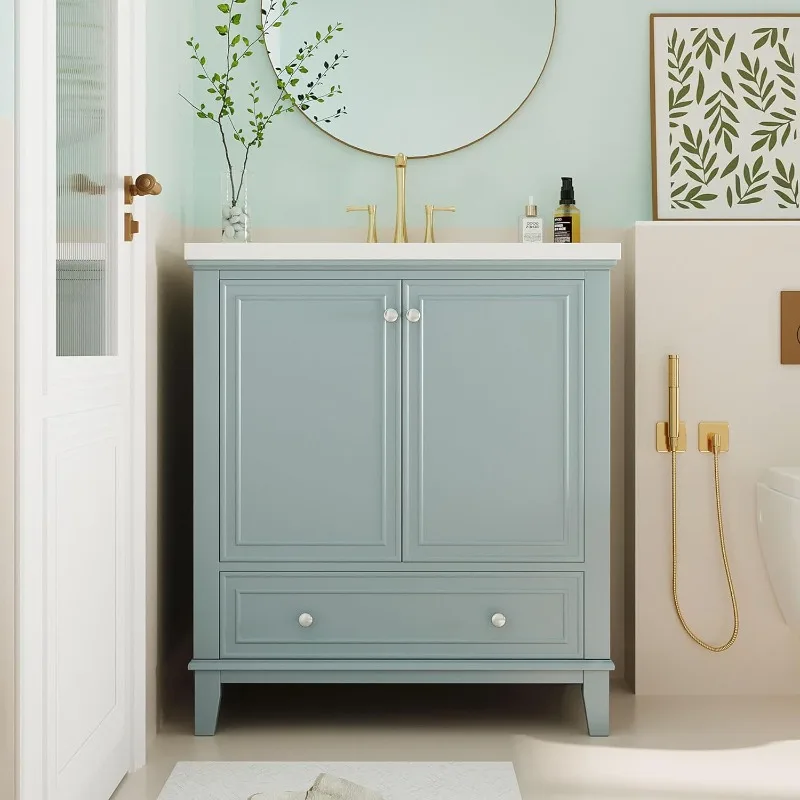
731	591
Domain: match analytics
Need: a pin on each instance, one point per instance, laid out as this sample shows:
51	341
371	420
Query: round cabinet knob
390	315
498	620
413	315
305	620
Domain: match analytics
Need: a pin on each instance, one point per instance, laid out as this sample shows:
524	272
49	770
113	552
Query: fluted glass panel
85	256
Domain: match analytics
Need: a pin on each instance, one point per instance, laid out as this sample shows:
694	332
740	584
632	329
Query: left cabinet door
310	427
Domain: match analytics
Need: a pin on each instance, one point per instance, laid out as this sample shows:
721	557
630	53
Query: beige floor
661	748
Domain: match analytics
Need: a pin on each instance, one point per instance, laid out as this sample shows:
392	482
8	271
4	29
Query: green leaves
680	71
759	90
707	44
788	191
720	108
222	30
749	185
765	35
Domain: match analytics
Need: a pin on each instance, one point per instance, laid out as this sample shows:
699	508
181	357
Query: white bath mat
394	780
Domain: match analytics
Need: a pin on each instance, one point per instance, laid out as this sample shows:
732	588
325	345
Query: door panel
437	615
311	421
493	441
88	678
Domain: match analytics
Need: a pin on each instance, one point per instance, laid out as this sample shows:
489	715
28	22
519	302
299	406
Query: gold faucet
400	230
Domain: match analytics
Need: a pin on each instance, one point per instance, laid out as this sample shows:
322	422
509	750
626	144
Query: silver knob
413	315
305	620
498	620
390	315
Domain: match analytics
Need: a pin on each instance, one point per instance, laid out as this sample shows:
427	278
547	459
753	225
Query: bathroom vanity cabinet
401	466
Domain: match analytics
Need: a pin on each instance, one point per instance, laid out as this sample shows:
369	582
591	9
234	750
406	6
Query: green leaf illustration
698	156
680	71
786	64
720	108
748	187
765	35
729	46
788	185
706	44
759	89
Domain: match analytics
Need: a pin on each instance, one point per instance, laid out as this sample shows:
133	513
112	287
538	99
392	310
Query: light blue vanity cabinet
401	467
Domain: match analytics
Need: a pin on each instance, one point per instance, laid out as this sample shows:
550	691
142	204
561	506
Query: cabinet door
493	434
311	421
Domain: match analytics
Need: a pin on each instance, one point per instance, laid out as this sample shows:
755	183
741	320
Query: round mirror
424	77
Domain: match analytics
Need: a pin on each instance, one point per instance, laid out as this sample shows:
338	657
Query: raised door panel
493	437
311	421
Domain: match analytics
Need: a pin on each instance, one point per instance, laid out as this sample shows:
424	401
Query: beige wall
710	293
7	456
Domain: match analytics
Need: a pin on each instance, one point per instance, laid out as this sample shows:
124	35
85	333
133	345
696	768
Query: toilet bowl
778	512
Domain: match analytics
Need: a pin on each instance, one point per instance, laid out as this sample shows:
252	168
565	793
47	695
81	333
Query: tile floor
661	748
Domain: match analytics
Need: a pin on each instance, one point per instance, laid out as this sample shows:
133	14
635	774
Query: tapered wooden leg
596	697
207	693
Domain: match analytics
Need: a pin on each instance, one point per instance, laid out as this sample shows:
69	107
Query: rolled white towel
329	787
326	787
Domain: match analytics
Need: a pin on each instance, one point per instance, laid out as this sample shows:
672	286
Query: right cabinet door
493	421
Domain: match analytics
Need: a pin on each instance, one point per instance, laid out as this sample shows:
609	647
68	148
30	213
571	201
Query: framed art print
724	99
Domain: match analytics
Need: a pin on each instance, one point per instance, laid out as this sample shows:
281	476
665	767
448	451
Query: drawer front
433	615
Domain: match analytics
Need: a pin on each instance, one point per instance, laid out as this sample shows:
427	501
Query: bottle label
562	230
532	230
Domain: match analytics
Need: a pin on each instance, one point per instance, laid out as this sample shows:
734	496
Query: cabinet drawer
389	616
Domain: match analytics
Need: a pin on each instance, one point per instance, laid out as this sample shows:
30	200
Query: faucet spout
400	229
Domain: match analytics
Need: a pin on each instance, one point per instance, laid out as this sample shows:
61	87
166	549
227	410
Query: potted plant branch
296	88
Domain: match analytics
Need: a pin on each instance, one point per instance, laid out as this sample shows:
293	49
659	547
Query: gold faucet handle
372	231
429	233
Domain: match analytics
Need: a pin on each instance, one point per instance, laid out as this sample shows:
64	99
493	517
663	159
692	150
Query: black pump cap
567	192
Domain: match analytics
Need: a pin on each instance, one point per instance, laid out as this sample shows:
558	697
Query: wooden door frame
34	69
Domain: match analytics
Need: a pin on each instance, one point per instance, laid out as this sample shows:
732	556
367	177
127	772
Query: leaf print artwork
726	108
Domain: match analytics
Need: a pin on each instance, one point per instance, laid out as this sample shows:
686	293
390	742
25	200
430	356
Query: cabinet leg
207	693
596	697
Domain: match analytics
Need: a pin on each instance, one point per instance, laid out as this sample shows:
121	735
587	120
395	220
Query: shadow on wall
174	282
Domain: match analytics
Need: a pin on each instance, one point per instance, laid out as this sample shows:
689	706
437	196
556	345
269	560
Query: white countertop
347	251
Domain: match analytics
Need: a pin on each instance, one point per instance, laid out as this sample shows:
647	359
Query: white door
80	352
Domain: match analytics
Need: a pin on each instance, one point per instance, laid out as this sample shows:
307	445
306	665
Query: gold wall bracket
705	435
662	437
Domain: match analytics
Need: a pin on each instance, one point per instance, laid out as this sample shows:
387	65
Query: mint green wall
589	118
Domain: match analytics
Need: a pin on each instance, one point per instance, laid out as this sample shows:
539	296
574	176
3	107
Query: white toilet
778	511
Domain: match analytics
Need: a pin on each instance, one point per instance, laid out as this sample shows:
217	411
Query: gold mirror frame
265	3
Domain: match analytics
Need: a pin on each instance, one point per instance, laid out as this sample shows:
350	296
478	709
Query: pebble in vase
234	223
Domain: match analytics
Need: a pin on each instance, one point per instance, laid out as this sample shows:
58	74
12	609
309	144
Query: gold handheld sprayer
674	418
671	437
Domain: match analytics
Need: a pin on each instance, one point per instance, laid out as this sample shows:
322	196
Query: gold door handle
144	185
372	231
429	234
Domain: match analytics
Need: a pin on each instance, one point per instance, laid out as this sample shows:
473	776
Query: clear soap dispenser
531	230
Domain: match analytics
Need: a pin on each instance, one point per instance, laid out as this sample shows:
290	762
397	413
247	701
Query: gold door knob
144	185
372	231
429	235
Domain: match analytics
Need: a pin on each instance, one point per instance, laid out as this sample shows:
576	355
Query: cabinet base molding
592	674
